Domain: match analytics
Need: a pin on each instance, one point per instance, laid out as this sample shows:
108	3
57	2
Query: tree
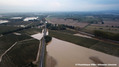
102	22
48	38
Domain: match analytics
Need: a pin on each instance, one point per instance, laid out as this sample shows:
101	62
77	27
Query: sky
57	5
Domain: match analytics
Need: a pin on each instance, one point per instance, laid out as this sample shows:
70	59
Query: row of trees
107	35
59	26
56	27
48	38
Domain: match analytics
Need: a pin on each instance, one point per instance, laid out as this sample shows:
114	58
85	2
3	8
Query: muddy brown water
68	54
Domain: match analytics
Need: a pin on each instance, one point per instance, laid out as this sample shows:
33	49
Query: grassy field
24	52
7	40
7	28
70	31
91	28
31	31
111	49
21	54
109	26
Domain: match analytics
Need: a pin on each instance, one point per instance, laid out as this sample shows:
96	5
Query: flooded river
3	21
30	18
68	54
81	35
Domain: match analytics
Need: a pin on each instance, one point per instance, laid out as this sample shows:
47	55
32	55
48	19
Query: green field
91	28
7	28
7	40
23	53
31	31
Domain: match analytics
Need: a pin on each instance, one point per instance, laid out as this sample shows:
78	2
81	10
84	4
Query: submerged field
66	54
105	47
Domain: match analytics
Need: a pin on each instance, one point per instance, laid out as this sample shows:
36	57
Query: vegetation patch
24	52
21	54
31	31
9	39
4	29
107	35
48	38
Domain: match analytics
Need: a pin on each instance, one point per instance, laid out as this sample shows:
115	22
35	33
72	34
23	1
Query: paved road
42	56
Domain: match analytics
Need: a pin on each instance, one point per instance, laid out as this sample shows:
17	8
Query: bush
48	39
58	26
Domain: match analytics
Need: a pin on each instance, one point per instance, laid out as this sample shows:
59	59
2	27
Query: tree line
59	26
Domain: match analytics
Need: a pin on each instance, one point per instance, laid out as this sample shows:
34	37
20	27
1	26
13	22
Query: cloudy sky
57	5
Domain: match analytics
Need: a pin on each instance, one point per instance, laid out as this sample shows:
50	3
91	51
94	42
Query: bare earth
108	23
68	54
67	22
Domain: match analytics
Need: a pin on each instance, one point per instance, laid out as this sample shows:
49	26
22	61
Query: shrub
48	38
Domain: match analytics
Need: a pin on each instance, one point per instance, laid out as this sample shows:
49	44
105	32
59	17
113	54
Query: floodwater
16	18
3	21
30	18
81	35
68	54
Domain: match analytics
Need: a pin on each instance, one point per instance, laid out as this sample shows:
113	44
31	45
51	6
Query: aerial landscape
59	33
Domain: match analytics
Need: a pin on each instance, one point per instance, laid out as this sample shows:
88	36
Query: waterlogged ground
67	55
3	21
30	18
82	35
64	54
